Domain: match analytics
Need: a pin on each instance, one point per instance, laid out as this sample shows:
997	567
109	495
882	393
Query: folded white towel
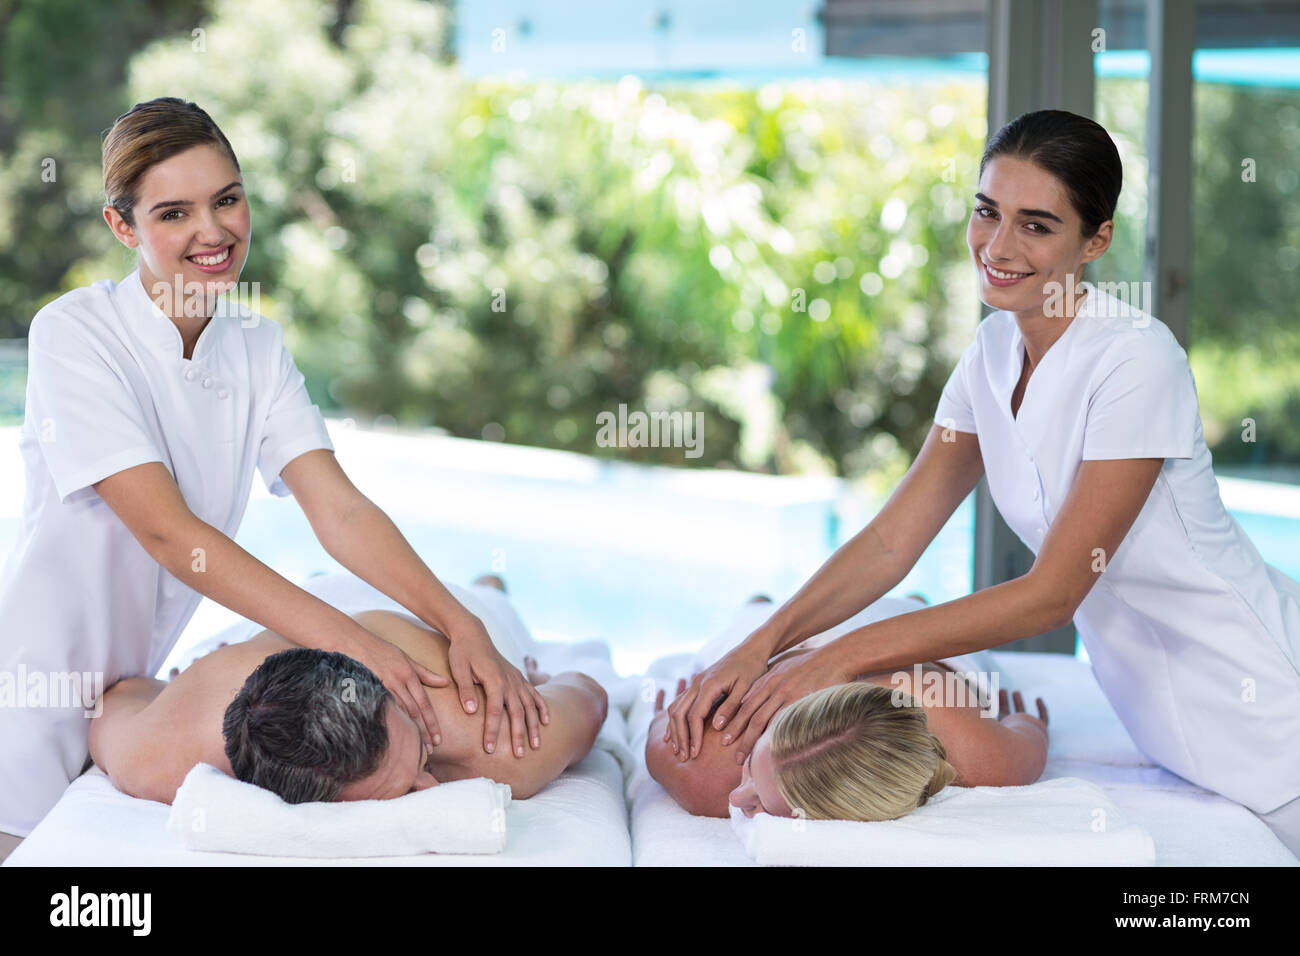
217	813
1067	821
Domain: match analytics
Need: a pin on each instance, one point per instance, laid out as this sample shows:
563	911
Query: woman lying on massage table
874	749
315	725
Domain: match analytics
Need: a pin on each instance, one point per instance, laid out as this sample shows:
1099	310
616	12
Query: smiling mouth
1005	275
213	260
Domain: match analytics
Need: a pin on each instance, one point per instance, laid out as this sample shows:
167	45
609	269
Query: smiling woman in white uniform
149	405
1082	412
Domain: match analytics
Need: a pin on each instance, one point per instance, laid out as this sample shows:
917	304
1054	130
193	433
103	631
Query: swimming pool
653	560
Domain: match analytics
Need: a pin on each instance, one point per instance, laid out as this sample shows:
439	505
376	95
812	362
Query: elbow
163	543
1035	762
1064	616
599	697
660	761
127	774
1052	603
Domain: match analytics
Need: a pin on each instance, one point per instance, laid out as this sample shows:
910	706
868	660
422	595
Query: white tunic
1192	636
108	389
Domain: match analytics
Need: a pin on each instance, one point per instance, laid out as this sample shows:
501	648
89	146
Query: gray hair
307	723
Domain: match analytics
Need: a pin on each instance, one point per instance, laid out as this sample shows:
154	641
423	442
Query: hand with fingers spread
729	678
1004	711
788	680
404	678
475	660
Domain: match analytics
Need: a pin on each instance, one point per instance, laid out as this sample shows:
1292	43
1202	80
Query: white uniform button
189	375
207	383
223	393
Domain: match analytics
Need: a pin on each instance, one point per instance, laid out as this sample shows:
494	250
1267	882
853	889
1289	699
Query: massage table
579	819
582	818
1190	826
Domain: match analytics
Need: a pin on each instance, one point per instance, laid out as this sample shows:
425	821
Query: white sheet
1190	826
578	819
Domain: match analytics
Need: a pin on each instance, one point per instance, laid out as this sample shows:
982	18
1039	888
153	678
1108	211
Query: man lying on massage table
316	725
875	749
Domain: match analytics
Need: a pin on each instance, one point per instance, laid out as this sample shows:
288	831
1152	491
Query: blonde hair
150	133
857	751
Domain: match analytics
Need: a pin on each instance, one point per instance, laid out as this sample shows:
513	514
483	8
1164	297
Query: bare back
182	726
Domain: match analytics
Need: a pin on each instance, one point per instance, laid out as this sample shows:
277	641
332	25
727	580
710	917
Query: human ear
124	233
1099	242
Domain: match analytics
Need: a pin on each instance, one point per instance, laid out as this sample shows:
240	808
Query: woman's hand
1004	711
731	676
792	679
404	678
474	660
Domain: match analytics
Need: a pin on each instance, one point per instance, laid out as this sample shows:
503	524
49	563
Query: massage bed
579	819
606	811
1187	825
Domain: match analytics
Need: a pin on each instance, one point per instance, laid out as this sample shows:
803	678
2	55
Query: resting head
312	725
857	751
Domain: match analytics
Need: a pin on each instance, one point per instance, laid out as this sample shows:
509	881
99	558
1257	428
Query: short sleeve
293	424
1143	406
84	415
955	409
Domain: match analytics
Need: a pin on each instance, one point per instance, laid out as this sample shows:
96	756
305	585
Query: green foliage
514	258
509	259
1245	345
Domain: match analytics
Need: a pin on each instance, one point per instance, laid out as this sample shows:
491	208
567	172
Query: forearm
200	556
369	545
988	618
862	570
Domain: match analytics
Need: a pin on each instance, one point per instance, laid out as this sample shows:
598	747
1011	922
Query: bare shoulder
933	686
423	644
223	671
576	703
952	713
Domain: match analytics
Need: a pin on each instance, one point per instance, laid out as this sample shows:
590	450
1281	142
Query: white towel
1063	822
217	813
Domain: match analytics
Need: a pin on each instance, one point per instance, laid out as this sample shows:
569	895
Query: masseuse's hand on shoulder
404	678
475	660
788	680
732	675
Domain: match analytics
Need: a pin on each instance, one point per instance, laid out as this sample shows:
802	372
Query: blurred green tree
508	259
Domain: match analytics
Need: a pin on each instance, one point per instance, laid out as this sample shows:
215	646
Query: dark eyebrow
185	202
1037	213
